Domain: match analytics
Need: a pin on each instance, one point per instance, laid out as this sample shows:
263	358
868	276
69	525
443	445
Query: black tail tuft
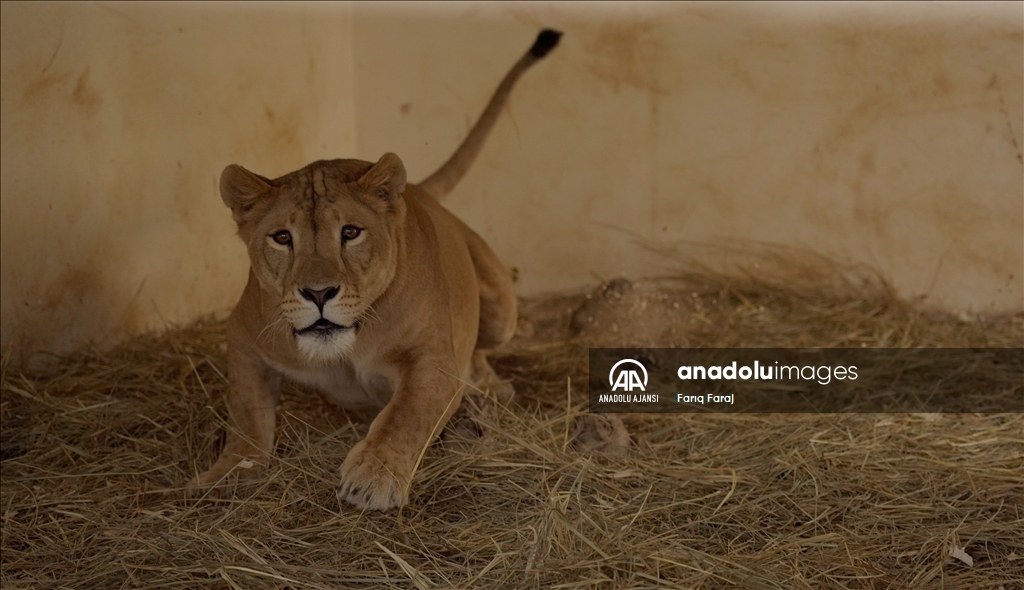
546	41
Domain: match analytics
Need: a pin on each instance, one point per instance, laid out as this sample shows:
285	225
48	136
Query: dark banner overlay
794	380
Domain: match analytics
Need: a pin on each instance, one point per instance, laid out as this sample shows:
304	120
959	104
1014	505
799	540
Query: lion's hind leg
497	325
478	404
499	313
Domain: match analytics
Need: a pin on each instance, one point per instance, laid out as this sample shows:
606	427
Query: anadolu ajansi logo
627	379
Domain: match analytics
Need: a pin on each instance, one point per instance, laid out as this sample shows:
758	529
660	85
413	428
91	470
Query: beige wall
879	134
116	122
889	135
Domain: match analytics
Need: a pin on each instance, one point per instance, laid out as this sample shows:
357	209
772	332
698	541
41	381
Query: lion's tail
448	175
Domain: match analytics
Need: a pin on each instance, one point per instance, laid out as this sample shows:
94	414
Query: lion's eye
283	237
350	232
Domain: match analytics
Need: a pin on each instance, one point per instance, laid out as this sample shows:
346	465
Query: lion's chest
343	384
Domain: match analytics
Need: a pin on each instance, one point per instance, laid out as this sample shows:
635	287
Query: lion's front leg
378	470
252	417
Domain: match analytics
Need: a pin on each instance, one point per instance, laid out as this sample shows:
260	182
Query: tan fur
409	304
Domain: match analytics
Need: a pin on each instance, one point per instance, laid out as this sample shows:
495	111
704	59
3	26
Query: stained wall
888	135
117	119
880	134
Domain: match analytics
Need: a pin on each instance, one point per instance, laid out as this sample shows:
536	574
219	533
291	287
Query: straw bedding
97	448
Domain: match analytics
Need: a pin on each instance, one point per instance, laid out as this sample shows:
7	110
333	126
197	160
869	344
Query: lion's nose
320	296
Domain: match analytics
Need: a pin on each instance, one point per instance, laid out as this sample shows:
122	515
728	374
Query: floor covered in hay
96	450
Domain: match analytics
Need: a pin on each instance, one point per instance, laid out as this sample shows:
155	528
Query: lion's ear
239	188
386	178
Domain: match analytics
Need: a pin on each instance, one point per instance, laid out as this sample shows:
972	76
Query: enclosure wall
887	135
876	133
117	121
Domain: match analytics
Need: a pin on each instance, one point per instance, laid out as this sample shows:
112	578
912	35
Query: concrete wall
889	135
116	122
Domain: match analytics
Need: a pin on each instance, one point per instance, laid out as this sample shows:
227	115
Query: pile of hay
96	451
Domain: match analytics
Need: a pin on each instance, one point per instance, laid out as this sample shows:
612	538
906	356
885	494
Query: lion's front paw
373	478
226	471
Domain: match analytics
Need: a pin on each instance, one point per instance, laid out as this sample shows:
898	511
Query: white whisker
278	320
366	314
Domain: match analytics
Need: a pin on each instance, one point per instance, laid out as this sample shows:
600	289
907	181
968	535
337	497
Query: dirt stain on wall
57	307
85	97
73	286
284	128
632	52
1011	136
41	86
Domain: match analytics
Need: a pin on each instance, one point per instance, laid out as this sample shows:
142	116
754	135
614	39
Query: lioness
363	286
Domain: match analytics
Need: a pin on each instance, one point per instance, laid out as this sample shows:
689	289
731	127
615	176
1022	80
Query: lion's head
323	244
